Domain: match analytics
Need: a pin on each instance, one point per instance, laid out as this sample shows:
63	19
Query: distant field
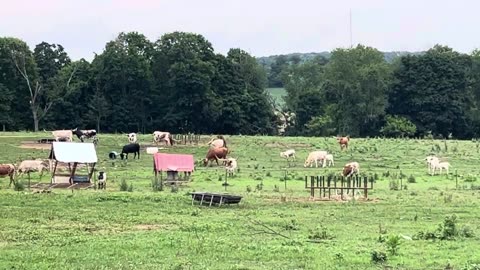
277	94
273	228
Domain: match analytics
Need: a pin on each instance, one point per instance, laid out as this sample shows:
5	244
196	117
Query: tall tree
432	91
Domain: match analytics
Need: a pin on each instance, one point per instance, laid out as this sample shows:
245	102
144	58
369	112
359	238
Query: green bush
378	257
123	185
398	126
18	186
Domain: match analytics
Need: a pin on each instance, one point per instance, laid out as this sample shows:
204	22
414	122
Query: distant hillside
269	60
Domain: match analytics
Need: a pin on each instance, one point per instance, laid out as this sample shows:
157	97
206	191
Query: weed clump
123	185
446	231
411	179
378	257
18	186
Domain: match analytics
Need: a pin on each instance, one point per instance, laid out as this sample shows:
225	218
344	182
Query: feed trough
45	140
215	198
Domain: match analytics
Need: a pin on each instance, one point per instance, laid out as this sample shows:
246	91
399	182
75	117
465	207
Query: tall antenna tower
351	39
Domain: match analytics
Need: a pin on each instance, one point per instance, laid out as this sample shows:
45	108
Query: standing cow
350	169
61	134
159	136
130	148
8	170
215	154
343	141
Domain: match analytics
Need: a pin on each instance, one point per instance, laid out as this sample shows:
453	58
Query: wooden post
341	190
329	182
312	186
225	184
456	179
306	181
365	186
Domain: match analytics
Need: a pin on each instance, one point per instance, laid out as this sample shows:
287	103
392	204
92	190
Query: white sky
260	27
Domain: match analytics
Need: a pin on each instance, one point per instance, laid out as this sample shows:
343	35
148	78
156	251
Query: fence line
329	183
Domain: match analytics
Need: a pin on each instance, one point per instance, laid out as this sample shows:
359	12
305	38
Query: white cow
159	136
329	160
430	160
231	166
290	153
315	156
28	166
437	165
132	137
59	134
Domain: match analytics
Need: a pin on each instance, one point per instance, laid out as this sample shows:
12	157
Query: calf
436	164
351	168
343	141
8	170
215	154
28	166
231	166
288	154
132	137
130	148
430	160
315	156
329	160
58	134
102	180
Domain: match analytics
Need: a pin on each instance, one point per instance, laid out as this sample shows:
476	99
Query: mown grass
92	229
277	94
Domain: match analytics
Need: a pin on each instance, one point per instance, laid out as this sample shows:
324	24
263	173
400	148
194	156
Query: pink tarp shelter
173	162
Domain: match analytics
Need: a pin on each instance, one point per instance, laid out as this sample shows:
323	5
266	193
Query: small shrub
292	225
259	187
320	233
393	185
339	256
447	198
411	179
393	244
386	174
123	185
256	166
466	231
268	174
130	188
378	257
249	189
220	178
18	186
258	178
470	178
375	176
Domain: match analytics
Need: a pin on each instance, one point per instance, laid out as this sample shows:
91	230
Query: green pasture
277	94
272	227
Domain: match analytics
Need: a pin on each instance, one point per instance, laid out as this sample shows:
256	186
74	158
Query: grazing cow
351	168
130	148
329	160
159	136
343	141
8	170
288	154
102	180
58	134
315	156
28	166
215	154
436	164
85	134
217	142
132	137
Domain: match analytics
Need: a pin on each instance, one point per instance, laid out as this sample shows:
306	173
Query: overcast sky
260	27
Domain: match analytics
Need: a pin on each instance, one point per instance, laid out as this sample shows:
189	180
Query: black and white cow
86	134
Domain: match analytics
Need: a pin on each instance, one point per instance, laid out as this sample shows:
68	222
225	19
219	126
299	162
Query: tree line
179	84
176	83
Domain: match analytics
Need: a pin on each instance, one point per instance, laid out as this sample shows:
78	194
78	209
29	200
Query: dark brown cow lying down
8	170
215	154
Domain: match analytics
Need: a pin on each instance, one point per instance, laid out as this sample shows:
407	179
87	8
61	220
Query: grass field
277	94
272	228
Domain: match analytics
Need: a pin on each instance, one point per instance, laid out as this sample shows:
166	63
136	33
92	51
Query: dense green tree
397	126
356	84
432	91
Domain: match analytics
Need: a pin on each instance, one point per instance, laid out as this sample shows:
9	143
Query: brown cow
351	168
215	154
8	170
343	141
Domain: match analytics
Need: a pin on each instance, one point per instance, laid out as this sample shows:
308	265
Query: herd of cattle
218	151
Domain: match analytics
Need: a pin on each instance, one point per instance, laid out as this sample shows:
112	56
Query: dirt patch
34	145
333	198
149	227
287	145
